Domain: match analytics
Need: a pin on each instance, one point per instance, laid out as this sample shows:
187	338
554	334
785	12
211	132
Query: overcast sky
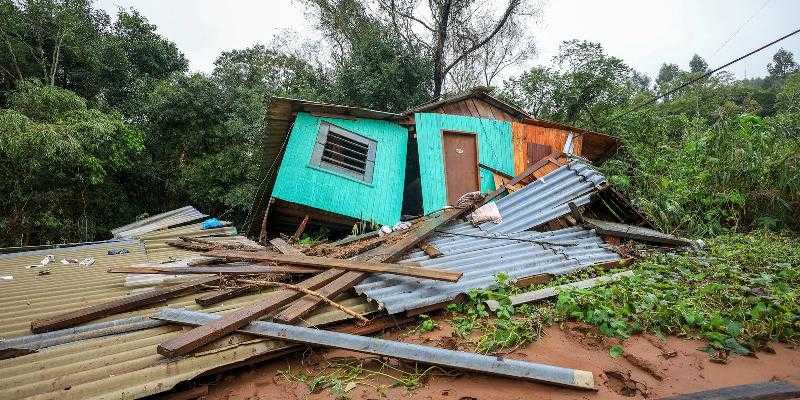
644	34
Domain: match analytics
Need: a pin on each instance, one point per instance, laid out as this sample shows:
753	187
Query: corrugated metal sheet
484	251
156	222
117	366
481	258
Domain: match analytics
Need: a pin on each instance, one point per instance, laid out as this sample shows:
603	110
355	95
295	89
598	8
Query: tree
782	64
698	64
667	73
65	167
450	32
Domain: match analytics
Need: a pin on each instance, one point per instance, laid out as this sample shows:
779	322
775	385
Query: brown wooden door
460	164
536	152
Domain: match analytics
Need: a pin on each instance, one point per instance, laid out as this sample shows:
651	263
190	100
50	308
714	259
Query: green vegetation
101	121
738	296
341	375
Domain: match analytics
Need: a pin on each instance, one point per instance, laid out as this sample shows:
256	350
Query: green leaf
615	351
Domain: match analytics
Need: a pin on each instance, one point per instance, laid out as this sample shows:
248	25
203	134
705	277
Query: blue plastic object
211	223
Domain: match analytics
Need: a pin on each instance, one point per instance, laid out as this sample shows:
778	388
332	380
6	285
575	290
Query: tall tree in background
698	64
782	64
467	40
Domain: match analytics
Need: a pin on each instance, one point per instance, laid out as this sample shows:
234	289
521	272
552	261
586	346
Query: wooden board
347	265
120	305
224	270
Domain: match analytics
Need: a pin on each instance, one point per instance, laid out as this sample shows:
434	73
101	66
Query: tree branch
512	5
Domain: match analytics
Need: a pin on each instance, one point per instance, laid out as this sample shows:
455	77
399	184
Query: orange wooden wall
524	133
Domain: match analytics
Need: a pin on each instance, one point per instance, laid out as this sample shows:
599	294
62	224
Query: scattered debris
622	384
553	291
429	355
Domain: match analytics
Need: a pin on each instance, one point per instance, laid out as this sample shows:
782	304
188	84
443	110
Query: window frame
317	161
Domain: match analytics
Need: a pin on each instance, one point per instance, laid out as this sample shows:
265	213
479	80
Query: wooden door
460	164
536	152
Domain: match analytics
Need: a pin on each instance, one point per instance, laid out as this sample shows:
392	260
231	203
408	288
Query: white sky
644	34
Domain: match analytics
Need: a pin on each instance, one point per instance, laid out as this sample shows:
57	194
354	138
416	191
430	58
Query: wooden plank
635	232
300	229
430	249
347	265
222	295
120	305
771	390
235	319
224	270
392	252
284	247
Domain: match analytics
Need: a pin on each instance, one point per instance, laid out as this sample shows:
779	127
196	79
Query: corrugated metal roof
484	251
480	259
167	219
117	366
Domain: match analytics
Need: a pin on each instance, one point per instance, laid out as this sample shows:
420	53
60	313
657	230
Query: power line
701	77
739	29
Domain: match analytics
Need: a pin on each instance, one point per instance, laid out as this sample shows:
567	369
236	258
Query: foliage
426	324
740	295
64	167
341	375
511	326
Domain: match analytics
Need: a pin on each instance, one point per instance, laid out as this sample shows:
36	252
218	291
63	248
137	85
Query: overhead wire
699	78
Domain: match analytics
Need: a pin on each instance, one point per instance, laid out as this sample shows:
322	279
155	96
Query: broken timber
120	305
412	352
225	294
347	265
231	270
553	291
635	232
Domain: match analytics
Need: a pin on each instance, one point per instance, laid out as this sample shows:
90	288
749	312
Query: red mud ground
681	367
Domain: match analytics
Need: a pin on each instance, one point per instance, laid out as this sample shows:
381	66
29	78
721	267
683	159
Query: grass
739	294
341	375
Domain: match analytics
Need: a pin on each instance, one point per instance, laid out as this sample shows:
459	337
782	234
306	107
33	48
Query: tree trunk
438	51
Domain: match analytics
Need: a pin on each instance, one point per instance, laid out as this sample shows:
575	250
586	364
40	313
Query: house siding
495	149
379	201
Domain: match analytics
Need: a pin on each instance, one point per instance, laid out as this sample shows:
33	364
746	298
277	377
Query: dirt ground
649	368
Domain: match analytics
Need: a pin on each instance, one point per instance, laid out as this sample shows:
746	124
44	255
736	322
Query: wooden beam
430	249
226	294
284	247
346	265
224	270
300	229
120	305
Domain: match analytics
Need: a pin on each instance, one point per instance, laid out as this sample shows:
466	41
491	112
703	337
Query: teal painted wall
494	149
379	201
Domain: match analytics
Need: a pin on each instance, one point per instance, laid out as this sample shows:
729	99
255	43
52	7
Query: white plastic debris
401	226
486	213
385	230
47	259
4	278
87	262
67	261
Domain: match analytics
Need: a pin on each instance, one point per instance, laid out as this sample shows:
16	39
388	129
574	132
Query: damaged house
338	165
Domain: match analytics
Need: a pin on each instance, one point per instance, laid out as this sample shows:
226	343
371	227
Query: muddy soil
650	368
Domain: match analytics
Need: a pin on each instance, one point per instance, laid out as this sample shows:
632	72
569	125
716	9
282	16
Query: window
344	152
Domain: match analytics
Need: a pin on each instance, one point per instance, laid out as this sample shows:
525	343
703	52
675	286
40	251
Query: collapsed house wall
494	149
380	199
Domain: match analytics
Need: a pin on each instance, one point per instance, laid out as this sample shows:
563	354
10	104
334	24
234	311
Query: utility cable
701	77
